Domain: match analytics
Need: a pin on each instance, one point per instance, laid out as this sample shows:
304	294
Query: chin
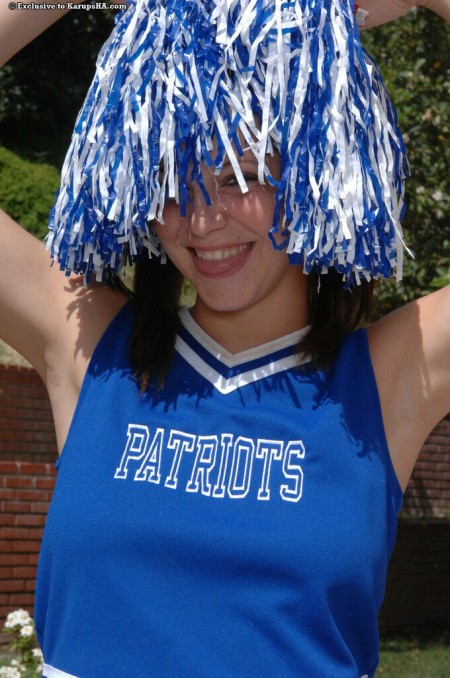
221	305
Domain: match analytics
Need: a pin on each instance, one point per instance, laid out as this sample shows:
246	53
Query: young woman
230	475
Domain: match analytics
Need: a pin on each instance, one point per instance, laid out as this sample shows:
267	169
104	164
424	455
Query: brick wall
418	591
428	493
26	422
25	493
418	584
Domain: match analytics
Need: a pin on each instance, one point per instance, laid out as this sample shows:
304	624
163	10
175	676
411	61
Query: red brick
14	533
26	546
17	507
30	495
10	434
21	430
8	467
7	573
7	519
9	558
19	481
26	572
7	493
22	599
18	391
39	507
45	483
30	584
32	520
18	447
33	468
12	585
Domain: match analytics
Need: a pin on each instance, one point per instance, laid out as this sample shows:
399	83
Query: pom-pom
183	83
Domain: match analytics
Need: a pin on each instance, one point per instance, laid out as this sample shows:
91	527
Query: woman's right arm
31	293
18	27
53	320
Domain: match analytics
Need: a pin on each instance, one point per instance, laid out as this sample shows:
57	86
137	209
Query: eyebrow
247	155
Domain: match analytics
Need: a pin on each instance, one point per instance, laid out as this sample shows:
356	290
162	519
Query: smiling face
225	252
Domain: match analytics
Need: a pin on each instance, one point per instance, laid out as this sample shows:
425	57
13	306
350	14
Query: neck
239	331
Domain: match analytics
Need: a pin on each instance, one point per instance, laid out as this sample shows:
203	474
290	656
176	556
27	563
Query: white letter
226	440
180	442
267	450
242	447
152	461
204	462
293	471
135	448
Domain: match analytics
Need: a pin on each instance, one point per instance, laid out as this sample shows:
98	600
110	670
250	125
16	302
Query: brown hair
333	312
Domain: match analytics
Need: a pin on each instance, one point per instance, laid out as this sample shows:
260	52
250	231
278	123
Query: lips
221	261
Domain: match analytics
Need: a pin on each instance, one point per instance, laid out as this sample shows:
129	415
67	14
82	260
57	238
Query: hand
382	11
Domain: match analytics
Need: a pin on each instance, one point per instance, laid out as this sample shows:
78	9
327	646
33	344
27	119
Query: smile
219	255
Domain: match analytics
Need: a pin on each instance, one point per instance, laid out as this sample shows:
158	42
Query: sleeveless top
237	522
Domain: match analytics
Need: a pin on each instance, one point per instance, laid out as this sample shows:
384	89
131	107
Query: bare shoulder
85	312
88	312
410	352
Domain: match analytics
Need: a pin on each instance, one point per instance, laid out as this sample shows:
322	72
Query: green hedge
27	191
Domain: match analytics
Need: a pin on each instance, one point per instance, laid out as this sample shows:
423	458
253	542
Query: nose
202	218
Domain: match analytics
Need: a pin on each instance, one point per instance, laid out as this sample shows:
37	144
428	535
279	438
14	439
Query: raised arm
382	11
18	27
411	347
411	357
52	320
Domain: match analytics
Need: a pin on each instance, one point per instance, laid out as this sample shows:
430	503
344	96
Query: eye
232	181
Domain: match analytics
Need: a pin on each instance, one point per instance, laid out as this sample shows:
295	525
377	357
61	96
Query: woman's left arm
410	348
382	11
410	351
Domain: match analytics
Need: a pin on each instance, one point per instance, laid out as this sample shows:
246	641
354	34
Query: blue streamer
172	70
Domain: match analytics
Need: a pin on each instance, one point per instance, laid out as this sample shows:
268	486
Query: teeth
218	255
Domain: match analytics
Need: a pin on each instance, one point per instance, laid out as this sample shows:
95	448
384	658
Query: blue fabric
161	559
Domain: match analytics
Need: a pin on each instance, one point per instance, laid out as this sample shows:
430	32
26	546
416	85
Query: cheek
255	208
167	231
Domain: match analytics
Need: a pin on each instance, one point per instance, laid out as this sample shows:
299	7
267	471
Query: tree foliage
42	88
27	191
414	57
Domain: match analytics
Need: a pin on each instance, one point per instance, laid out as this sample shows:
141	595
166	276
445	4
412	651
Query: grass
415	655
406	656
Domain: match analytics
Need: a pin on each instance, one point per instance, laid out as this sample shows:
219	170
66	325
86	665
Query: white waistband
50	672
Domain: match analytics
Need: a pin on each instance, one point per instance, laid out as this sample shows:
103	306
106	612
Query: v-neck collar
227	371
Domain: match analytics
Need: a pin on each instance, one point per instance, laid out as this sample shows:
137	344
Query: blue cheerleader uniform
237	522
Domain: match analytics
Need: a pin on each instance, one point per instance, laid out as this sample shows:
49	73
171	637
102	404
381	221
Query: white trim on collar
234	359
227	385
